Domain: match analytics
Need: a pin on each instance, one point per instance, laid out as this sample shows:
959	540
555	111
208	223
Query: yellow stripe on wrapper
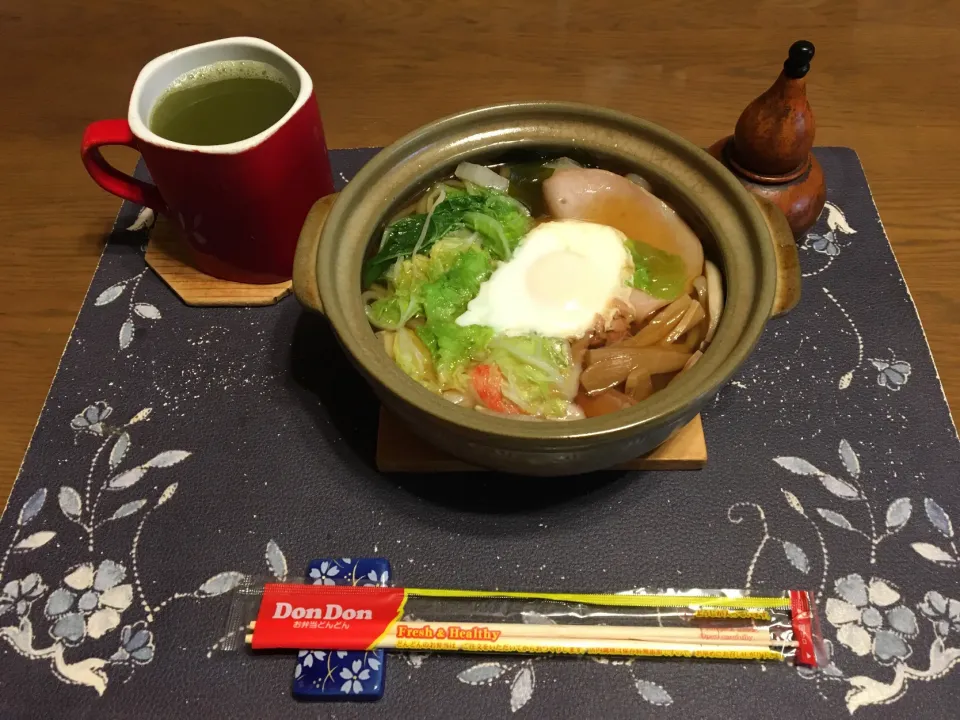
608	600
391	624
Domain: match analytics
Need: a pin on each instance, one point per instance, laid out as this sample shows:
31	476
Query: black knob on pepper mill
797	64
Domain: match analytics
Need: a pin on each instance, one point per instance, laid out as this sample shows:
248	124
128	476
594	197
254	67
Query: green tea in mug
222	103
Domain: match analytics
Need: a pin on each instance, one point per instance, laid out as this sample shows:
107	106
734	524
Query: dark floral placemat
181	449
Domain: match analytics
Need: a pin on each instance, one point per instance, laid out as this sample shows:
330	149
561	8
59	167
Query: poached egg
563	274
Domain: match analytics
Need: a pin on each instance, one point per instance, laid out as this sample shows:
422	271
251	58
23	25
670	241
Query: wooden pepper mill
769	151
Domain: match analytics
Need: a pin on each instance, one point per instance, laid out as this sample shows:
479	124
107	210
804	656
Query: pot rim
371	196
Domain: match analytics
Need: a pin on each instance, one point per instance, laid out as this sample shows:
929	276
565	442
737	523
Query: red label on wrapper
347	618
802	628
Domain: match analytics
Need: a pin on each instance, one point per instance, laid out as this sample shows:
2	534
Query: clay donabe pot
742	237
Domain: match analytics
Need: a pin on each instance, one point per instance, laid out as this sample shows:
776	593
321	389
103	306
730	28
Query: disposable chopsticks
585	636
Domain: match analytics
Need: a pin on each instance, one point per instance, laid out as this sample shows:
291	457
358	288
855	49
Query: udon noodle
542	290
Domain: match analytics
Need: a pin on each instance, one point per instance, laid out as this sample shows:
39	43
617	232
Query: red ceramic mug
240	205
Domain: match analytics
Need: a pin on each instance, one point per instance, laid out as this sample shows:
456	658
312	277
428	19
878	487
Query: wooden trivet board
169	256
399	450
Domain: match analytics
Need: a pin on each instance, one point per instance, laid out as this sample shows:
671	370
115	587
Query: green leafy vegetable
447	216
414	359
468	231
407	279
446	298
453	348
399	240
508	221
438	288
656	272
495	239
445	252
536	371
393	312
513	216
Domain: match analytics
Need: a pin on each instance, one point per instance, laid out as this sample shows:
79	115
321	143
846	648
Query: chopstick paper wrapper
728	625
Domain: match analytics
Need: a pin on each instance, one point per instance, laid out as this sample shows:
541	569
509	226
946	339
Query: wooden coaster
169	256
399	450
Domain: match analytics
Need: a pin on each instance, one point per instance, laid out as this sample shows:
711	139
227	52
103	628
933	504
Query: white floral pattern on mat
96	596
877	628
893	373
143	310
830	243
521	677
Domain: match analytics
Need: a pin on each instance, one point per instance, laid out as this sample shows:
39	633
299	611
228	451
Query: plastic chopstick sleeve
348	618
722	624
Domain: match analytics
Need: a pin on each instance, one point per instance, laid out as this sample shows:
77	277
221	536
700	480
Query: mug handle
116	132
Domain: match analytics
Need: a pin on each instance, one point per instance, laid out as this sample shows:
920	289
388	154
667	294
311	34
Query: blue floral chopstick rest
342	674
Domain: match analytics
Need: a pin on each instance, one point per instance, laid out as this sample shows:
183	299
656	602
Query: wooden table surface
885	81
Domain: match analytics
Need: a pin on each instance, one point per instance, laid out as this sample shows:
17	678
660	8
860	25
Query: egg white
562	275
